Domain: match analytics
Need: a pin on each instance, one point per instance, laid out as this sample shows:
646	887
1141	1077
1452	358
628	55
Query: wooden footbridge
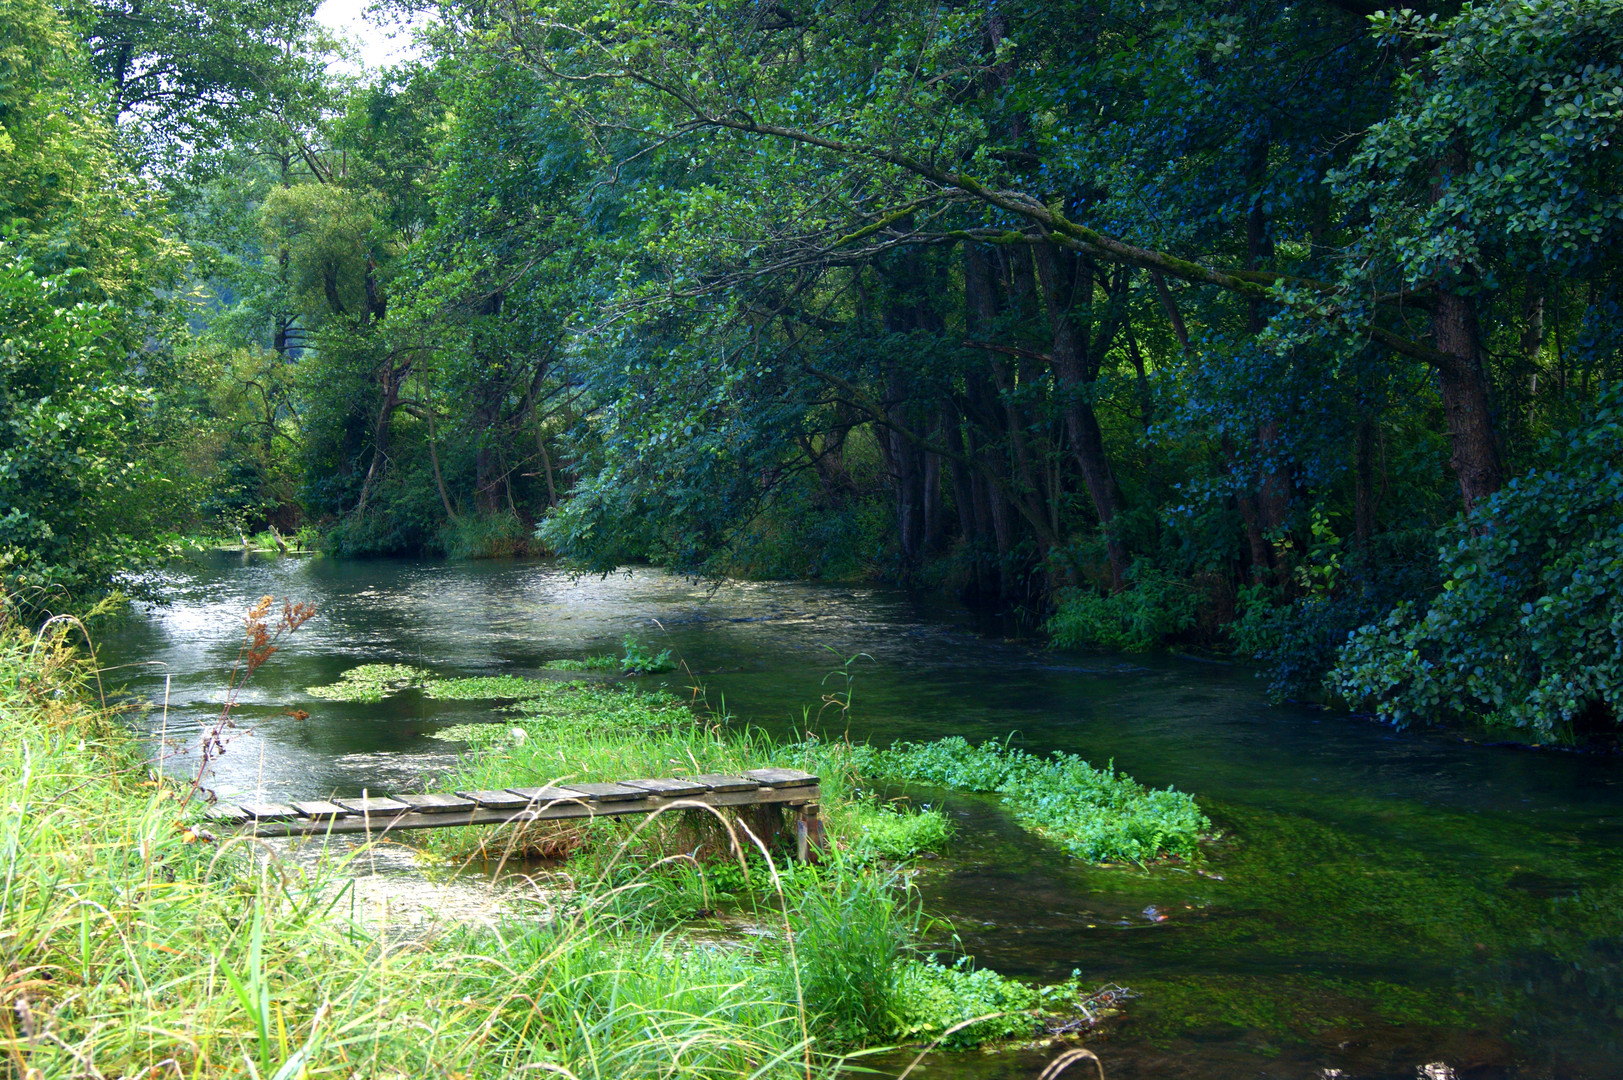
509	806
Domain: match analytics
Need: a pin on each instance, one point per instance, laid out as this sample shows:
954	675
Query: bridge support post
810	840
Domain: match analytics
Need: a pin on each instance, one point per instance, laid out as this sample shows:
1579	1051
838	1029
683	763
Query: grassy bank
135	943
132	946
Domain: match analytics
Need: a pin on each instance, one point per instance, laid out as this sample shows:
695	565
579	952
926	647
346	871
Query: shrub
486	536
1156	608
1527	631
1298	640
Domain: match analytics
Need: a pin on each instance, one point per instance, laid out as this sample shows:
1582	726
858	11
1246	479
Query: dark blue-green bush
1527	631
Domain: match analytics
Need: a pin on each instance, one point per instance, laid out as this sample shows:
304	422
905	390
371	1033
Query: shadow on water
1379	903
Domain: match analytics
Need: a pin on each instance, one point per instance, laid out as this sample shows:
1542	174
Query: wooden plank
223	812
496	800
437	804
607	792
269	811
671	789
319	809
377	806
572	806
545	795
721	782
782	778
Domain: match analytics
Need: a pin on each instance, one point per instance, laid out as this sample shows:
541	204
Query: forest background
1290	329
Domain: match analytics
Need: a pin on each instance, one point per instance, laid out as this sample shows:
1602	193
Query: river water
1380	904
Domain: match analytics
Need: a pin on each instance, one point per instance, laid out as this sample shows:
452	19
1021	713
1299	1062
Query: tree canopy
1162	322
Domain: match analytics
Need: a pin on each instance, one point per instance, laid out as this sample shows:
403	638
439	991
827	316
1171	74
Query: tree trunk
935	525
1364	479
434	460
1068	283
380	436
1463	387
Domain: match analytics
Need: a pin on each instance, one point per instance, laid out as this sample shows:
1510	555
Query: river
1380	904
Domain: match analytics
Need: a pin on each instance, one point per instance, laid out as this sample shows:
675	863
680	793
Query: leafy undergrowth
1095	814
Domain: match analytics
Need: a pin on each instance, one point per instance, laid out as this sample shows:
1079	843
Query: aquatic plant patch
371	682
1095	814
585	663
485	687
882	830
374	682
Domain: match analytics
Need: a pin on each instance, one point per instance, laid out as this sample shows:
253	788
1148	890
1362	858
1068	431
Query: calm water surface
1382	904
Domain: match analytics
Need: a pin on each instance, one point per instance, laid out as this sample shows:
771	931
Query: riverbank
138	937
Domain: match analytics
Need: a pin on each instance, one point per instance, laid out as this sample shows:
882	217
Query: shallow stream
1381	904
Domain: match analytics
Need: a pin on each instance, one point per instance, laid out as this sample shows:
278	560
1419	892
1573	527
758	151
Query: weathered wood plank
496	800
607	792
721	782
223	812
269	811
669	788
376	805
545	794
781	778
320	809
437	804
571	806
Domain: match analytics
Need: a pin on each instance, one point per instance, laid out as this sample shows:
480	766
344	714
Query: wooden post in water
810	840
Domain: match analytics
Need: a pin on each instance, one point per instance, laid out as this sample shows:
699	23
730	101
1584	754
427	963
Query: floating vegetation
636	661
481	687
374	682
371	682
587	663
1095	814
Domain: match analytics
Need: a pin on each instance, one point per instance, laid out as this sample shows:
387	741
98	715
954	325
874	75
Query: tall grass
134	943
131	945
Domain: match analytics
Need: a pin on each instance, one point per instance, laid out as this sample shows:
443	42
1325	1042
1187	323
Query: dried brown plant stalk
262	632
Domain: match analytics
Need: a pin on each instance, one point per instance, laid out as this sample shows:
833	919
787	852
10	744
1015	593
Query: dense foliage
1165	323
1528	628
